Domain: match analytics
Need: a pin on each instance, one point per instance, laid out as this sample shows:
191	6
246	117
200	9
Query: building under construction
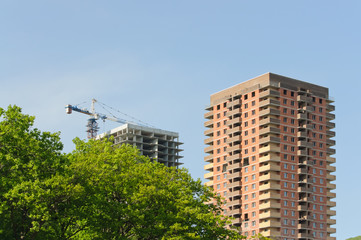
157	144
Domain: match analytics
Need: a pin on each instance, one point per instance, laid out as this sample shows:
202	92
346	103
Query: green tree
37	198
135	198
96	192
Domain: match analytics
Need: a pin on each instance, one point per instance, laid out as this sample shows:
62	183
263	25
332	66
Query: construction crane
92	125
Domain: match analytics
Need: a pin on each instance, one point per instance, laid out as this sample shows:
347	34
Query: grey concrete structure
160	145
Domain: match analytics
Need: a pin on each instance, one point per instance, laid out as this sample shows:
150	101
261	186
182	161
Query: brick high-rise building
269	155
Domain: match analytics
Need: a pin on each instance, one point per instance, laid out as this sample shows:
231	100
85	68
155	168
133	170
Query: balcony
304	189
235	103
209	184
269	120
234	120
208	158
236	147
270	176
303	226
330	108
270	223
270	214
209	123
237	202
331	238
330	116
304	235
209	132
209	176
331	195
236	111
305	199
208	167
270	158
234	175
302	153
234	166
208	140
269	148
302	134
331	221
269	195
330	151
269	186
271	232
232	212
269	130
331	230
268	102
307	108
269	93
209	150
269	111
331	212
236	156
330	168
208	115
330	134
304	144
235	193
331	177
269	139
331	186
235	183
234	130
270	167
302	116
303	98
234	139
302	171
331	204
330	142
236	221
302	208
330	125
330	159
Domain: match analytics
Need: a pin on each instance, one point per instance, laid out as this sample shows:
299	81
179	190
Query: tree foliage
96	192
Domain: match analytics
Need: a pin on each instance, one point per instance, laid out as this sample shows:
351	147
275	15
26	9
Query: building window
253	204
219	177
253	94
218	186
254	177
246	105
246	179
253	112
246	197
253	186
253	103
253	195
246	206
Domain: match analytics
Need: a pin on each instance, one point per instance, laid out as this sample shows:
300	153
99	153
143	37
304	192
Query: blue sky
160	60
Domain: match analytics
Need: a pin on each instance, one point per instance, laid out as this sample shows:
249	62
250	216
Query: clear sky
160	60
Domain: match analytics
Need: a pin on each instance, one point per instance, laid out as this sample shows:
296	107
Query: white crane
92	126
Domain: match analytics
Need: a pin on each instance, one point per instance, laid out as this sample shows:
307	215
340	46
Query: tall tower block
269	154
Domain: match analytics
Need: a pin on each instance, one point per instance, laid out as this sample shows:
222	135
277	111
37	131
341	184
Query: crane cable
135	119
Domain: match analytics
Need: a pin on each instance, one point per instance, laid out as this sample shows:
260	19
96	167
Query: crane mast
92	125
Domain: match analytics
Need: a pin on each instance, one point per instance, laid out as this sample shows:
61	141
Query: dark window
285	92
292	94
253	94
218	107
245	161
245	97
